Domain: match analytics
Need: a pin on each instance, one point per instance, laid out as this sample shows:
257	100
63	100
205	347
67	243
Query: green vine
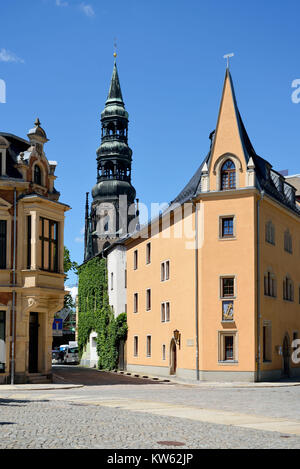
95	314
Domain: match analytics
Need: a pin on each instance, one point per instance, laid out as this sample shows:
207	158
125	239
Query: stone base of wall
4	379
213	376
89	363
151	370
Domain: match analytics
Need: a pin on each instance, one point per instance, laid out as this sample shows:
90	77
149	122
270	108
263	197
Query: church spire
115	93
113	190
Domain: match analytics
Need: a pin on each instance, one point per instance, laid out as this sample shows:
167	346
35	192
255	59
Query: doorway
286	357
33	342
173	357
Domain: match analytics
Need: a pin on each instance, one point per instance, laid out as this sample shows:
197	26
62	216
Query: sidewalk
38	387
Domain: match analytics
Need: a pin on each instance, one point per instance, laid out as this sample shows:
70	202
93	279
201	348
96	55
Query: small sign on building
57	327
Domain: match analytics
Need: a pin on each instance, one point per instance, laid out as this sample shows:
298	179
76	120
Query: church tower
113	205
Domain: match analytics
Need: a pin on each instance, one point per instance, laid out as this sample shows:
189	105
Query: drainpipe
12	378
196	291
258	287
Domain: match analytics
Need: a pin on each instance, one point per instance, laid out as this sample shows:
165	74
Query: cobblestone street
114	411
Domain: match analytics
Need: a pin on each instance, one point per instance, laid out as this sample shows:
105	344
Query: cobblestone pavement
83	417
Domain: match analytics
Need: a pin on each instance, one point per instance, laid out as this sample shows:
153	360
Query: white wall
116	265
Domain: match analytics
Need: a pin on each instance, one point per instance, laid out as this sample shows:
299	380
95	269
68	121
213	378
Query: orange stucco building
213	284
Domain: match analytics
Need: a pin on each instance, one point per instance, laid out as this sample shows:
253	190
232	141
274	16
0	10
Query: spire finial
37	122
228	56
115	48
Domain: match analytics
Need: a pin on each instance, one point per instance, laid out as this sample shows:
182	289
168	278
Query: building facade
213	285
31	257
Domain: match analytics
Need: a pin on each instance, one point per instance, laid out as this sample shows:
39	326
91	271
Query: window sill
228	362
227	238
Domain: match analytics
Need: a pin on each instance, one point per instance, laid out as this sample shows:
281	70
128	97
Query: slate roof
17	145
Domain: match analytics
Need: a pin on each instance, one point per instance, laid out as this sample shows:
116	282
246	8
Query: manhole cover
171	443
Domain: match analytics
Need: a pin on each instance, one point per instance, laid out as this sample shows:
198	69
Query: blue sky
56	57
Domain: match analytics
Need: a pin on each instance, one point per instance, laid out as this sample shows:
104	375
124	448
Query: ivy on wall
95	314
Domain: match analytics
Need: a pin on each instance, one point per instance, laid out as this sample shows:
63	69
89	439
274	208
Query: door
173	358
286	357
33	342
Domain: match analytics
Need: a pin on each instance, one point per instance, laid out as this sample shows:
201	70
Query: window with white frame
148	253
135	260
148	351
148	299
135	303
165	311
135	346
164	352
165	271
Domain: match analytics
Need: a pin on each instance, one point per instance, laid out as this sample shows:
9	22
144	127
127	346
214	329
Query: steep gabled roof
267	179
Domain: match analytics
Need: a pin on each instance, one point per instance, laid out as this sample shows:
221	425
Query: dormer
4	144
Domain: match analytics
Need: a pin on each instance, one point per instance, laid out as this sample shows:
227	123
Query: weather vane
228	56
115	47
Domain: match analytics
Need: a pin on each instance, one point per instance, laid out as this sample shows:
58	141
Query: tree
73	266
68	263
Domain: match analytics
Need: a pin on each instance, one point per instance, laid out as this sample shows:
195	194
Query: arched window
228	175
288	243
288	289
37	175
270	284
270	233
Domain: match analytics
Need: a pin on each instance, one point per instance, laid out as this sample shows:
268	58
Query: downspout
12	378
258	288
196	291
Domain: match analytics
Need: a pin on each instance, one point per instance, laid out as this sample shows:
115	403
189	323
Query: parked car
55	357
71	355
